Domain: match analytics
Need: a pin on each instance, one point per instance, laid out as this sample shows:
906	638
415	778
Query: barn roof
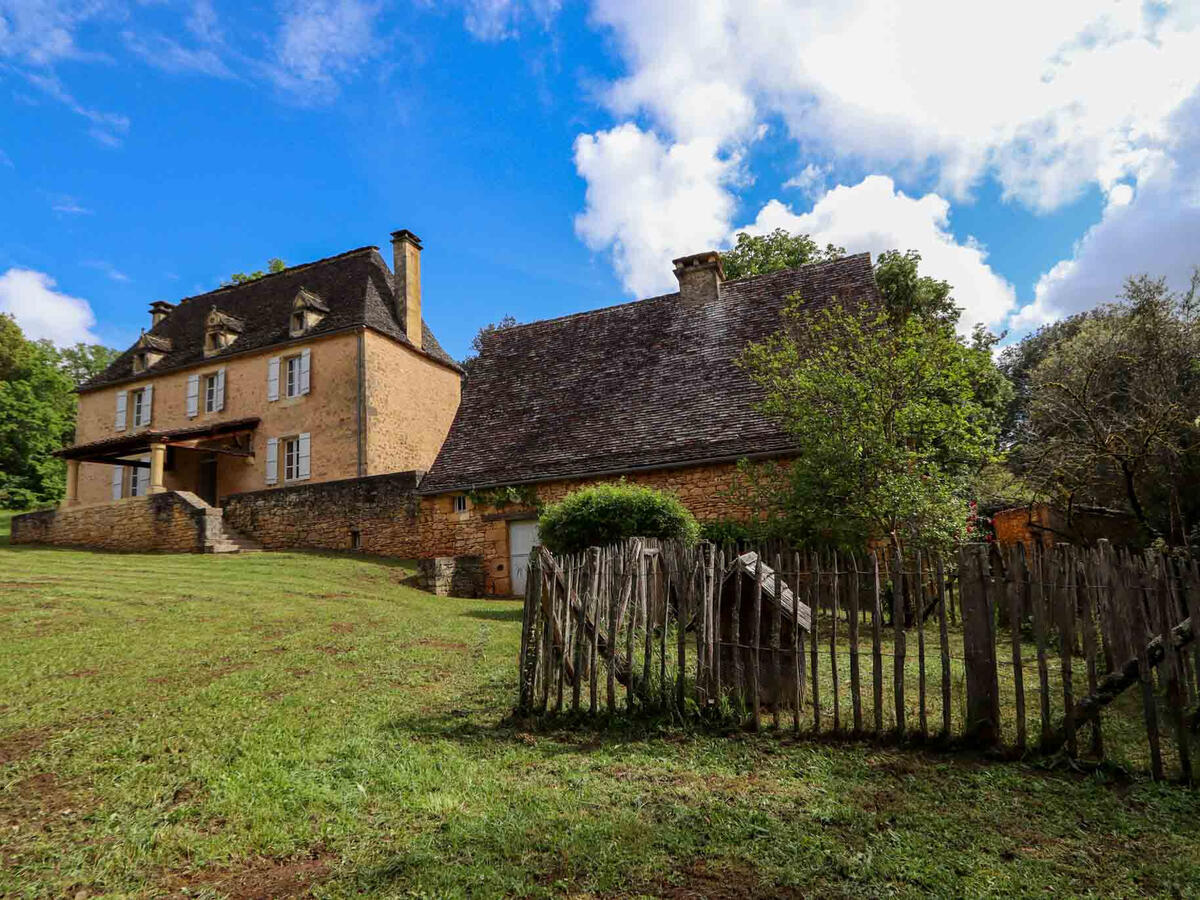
648	384
355	286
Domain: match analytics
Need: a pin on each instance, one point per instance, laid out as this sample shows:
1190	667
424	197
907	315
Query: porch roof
132	443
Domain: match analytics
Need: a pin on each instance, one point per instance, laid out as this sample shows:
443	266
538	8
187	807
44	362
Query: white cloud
42	32
169	55
321	41
498	20
68	205
874	216
107	268
810	180
650	202
43	312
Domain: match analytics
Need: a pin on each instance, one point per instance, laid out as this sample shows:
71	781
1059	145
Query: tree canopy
762	253
481	337
37	412
274	264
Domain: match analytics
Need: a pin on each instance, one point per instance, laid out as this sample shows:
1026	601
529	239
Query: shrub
605	513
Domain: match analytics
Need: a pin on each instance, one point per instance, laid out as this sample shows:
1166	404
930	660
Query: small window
139	404
291	459
210	393
460	503
292	377
355	539
297	322
139	362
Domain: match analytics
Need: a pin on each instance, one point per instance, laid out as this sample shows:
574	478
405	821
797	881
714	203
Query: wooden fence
825	643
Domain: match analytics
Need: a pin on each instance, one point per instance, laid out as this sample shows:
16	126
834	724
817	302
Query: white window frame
211	400
290	457
291	376
460	504
138	405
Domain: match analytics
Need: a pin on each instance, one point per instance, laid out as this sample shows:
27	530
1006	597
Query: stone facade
450	576
1044	525
379	515
174	522
409	405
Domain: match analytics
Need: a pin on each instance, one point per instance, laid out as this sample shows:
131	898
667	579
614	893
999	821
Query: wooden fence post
898	647
979	646
876	645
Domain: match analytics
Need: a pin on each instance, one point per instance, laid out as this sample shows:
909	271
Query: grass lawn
277	724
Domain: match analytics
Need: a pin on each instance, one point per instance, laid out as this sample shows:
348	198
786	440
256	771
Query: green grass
272	724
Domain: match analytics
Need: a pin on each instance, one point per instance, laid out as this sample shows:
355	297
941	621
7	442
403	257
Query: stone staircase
218	537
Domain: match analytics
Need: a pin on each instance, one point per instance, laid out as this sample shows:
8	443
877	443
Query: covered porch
150	461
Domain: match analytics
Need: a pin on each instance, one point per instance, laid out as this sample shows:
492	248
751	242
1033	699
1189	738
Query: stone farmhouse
314	409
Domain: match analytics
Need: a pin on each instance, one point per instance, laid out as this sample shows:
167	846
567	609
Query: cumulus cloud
649	201
809	181
320	41
498	20
43	312
874	216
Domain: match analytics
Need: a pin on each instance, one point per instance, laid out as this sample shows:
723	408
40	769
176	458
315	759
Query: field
283	724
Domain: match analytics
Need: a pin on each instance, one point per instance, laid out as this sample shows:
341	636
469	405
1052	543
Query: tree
906	292
602	514
481	337
759	254
887	420
37	412
1114	410
274	264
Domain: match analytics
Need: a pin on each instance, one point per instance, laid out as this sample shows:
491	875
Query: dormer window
307	310
148	351
220	330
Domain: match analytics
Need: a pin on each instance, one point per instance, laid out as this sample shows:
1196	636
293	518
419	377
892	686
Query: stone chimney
700	277
159	310
406	283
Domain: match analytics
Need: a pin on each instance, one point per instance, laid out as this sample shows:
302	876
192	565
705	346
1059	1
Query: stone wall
451	576
1044	525
173	521
378	514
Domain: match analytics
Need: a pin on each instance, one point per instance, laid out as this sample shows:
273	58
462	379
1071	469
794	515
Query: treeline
37	412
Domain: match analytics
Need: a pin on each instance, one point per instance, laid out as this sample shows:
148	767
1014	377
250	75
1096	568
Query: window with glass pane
139	398
292	388
210	393
291	459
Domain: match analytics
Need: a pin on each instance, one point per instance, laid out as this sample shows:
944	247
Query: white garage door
522	537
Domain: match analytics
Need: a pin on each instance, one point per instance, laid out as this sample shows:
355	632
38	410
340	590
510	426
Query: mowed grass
284	724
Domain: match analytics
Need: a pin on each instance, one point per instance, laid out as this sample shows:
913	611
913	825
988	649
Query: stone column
72	483
158	456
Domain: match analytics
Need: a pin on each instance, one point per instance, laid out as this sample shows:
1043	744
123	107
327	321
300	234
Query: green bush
606	513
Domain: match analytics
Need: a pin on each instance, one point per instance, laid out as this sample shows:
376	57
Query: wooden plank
599	619
1090	594
528	631
573	576
855	674
645	596
919	606
983	701
717	636
756	643
1172	666
630	570
777	642
944	637
898	649
1016	586
1146	677
835	682
547	671
701	626
1067	644
608	593
1191	592
797	646
877	645
735	636
562	614
1037	604
687	607
662	583
815	606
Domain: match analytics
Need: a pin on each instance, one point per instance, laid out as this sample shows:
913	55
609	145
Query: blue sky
555	156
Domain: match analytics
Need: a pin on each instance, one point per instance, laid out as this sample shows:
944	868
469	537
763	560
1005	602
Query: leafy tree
37	412
759	254
481	337
604	513
906	292
1114	410
888	420
274	264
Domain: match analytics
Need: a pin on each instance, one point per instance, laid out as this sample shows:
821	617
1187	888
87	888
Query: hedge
606	513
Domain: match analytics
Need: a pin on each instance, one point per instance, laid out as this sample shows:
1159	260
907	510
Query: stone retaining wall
452	576
174	521
377	514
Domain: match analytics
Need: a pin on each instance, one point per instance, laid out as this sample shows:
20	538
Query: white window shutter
193	396
305	363
220	388
147	401
303	456
273	378
122	399
118	473
143	477
272	460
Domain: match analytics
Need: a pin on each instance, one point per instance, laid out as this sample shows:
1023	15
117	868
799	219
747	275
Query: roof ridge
289	270
602	309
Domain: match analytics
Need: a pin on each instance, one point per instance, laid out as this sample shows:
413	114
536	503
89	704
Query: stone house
322	371
647	391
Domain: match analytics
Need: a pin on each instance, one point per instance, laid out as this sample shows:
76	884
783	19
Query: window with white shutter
193	396
302	463
118	475
272	460
220	389
305	368
122	399
273	378
147	403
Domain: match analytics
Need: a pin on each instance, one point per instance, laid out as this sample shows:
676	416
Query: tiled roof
356	286
643	385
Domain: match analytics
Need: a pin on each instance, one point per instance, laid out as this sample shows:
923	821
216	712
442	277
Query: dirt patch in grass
332	650
439	645
42	803
15	747
80	673
341	627
716	880
257	879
